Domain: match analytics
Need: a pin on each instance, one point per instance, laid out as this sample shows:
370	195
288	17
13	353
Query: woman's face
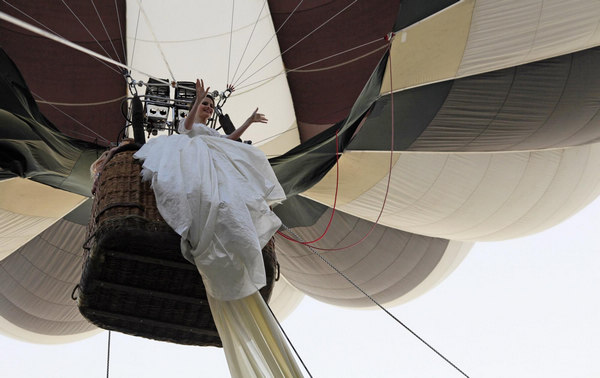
206	108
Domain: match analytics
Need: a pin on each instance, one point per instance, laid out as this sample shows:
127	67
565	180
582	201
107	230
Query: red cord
337	182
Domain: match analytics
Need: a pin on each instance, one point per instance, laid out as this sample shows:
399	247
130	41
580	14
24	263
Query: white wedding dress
215	193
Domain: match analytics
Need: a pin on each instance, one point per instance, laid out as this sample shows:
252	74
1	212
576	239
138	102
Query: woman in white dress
215	192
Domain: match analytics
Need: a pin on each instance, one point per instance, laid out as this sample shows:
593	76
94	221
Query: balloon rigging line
247	42
106	31
313	250
108	356
300	70
55	33
275	136
191	40
269	40
301	39
137	24
66	42
387	189
81	103
73	119
155	40
288	339
88	30
230	37
121	32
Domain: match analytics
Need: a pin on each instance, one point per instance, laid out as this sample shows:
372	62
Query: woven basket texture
134	279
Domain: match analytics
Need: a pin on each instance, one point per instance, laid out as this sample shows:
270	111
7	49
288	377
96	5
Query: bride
216	193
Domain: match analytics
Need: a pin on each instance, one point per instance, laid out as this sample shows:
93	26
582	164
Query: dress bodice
199	129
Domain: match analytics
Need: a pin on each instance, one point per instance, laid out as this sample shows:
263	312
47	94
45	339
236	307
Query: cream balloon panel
17	230
28	208
390	265
37	283
514	32
49	276
482	196
9	329
196	44
477	36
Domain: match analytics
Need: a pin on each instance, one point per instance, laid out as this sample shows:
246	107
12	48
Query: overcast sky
528	307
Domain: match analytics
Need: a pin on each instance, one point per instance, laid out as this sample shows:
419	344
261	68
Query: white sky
522	308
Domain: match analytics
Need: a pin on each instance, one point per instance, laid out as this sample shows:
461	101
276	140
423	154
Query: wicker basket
134	278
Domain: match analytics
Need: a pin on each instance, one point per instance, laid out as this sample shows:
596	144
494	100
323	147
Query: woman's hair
96	166
209	95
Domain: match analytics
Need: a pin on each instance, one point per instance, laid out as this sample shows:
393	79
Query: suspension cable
108	355
106	32
288	339
247	43
55	33
269	40
81	103
86	29
137	24
299	69
121	32
230	37
301	39
155	39
313	250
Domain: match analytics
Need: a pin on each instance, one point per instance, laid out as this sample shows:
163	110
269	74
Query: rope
196	39
81	103
86	29
230	37
108	356
247	42
106	31
121	31
313	250
288	340
55	33
337	181
301	39
155	40
267	43
300	70
137	24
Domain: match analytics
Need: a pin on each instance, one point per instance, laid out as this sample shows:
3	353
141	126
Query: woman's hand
257	117
200	91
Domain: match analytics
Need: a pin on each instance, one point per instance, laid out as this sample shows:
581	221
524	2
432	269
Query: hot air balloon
409	131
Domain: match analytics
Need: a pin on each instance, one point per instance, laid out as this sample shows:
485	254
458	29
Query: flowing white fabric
253	343
215	193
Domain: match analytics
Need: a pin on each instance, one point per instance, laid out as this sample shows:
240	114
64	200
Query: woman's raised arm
200	94
255	117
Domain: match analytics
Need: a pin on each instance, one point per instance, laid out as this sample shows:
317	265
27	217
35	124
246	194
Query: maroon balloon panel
324	92
65	77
